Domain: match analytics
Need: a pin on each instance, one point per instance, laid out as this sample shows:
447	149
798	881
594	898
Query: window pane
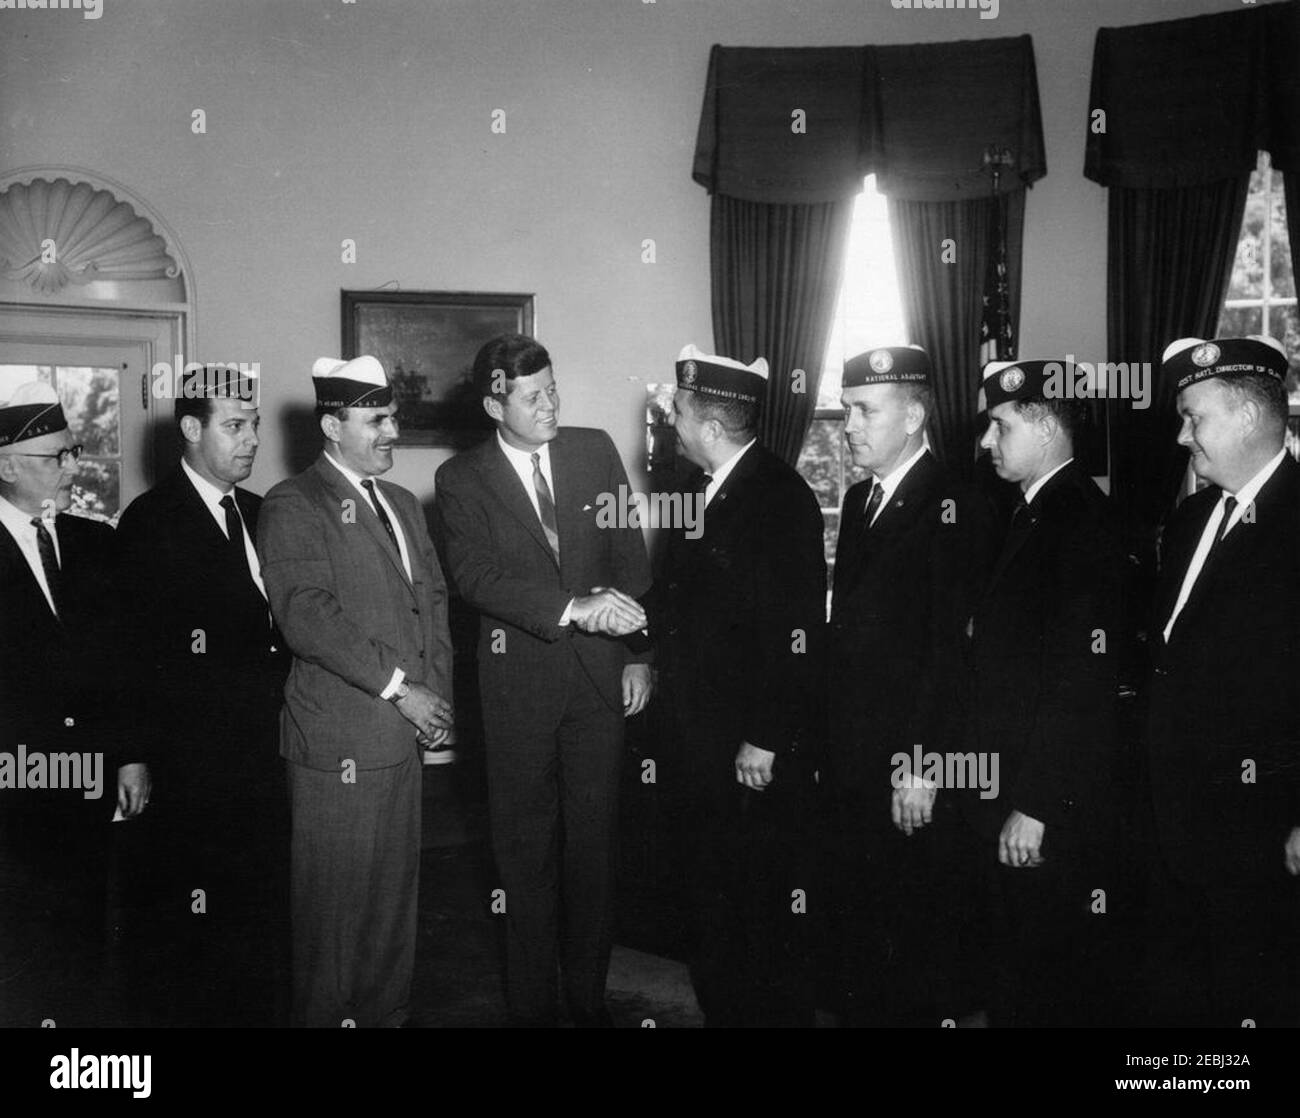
1236	322
1248	267
870	310
819	461
97	490
11	376
1280	266
1284	325
90	399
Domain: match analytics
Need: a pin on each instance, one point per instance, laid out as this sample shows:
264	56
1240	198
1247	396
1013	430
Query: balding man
1224	707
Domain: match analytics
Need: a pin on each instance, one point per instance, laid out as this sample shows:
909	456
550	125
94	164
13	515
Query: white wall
328	120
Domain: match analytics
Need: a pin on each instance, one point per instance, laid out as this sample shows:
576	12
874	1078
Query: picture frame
426	342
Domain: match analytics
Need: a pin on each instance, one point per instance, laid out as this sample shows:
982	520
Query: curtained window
786	137
868	313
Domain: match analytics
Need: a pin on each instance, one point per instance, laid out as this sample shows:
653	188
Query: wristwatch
403	689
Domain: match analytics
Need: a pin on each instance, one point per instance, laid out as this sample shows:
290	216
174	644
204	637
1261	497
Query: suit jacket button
415	611
421	655
274	649
69	721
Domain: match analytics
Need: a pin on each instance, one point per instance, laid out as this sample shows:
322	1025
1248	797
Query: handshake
607	611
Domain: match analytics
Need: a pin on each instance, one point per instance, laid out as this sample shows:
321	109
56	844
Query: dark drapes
776	275
1191	101
1170	262
807	124
943	302
786	137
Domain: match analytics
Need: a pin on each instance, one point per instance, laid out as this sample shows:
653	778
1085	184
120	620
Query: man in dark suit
738	614
209	671
1223	706
1048	639
523	523
913	551
355	587
58	680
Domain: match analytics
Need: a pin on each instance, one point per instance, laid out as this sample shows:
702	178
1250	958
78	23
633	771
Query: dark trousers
754	890
554	757
354	887
1216	956
204	896
906	942
1054	945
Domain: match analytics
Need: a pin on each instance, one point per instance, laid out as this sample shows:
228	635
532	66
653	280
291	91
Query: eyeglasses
73	452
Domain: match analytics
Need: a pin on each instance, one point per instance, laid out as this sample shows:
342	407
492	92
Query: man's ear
8	469
329	425
191	428
915	417
1048	425
1249	415
495	408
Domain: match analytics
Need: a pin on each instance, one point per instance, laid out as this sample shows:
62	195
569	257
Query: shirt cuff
393	684
564	617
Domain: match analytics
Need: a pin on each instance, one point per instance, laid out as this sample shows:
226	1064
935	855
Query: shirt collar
1037	487
720	474
210	494
894	478
18	522
1250	490
355	478
524	457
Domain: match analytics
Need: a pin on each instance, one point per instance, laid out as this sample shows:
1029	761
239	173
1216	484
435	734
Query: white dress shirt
1245	497
19	525
720	474
398	675
521	461
891	481
211	497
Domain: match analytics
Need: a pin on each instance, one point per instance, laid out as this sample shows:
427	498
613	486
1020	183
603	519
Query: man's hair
1072	415
515	355
198	406
920	392
739	418
1268	393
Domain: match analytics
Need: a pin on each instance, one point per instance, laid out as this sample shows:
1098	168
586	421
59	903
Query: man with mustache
208	670
1223	724
356	588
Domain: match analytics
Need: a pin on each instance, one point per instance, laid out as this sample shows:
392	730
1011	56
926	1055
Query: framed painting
426	342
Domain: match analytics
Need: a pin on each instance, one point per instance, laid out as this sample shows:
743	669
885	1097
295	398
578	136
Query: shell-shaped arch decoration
53	233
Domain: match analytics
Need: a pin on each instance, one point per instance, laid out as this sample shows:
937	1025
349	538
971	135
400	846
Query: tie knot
228	502
537	457
1229	505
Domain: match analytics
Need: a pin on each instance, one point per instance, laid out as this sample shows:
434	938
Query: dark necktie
234	529
873	504
1021	518
545	505
235	537
1229	505
369	486
50	562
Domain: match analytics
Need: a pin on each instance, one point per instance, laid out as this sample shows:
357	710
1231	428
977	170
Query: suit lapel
344	490
508	489
24	582
1242	537
567	514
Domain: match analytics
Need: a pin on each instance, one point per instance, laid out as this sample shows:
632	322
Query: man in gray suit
355	587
